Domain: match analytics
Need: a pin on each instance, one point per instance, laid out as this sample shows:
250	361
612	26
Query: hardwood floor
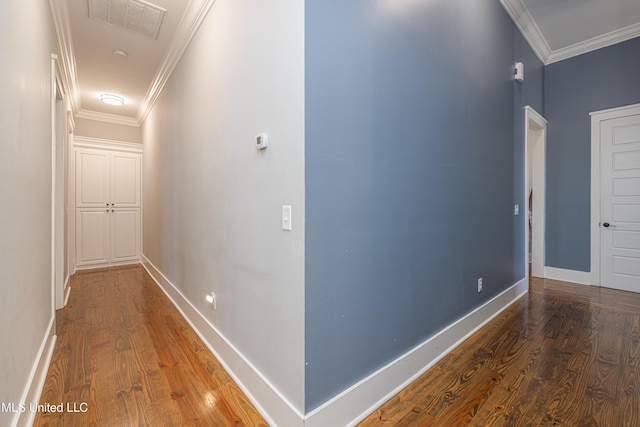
565	355
126	357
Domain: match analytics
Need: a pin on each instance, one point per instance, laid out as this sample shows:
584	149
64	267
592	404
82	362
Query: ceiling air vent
136	15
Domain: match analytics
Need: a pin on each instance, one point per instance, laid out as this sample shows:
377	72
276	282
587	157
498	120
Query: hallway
125	356
565	354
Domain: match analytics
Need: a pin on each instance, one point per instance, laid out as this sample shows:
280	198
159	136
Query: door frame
597	117
59	275
537	124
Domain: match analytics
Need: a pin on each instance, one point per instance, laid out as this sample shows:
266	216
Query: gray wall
27	40
602	79
409	176
212	202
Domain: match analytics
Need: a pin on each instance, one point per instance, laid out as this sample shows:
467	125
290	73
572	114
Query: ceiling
555	29
90	68
561	29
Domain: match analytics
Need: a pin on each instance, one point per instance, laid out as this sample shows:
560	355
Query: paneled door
108	201
92	233
92	178
620	203
125	239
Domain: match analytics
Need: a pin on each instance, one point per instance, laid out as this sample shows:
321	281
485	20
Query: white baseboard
67	292
37	377
83	267
580	277
354	404
273	406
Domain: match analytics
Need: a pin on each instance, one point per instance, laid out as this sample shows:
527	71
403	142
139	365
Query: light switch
286	218
516	209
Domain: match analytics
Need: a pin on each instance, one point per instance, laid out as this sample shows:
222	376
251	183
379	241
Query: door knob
607	225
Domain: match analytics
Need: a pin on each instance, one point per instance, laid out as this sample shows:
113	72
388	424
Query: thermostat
262	141
518	72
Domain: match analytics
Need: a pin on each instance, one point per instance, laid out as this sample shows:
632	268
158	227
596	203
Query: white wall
212	202
105	130
26	43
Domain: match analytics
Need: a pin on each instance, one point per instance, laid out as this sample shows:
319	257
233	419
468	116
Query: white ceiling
90	67
556	30
561	29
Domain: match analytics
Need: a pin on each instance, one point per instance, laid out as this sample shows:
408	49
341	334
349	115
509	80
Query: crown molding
194	15
595	43
527	26
66	55
109	118
530	31
110	144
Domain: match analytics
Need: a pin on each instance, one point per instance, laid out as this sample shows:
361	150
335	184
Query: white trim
108	144
275	408
194	15
530	31
574	276
357	402
83	267
595	43
68	69
108	118
354	404
539	166
528	28
597	117
37	377
54	90
67	291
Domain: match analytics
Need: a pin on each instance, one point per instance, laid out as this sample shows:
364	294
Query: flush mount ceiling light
110	99
119	53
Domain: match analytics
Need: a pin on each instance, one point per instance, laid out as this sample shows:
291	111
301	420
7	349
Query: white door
92	236
108	205
92	178
125	226
125	180
620	203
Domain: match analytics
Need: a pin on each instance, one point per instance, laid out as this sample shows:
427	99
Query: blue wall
410	166
598	80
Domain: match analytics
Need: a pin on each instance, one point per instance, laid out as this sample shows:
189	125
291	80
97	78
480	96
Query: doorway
535	191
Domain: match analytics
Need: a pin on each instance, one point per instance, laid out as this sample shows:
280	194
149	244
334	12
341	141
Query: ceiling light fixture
110	99
119	53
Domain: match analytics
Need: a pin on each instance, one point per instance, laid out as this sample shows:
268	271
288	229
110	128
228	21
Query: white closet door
125	180
108	204
125	231
92	178
92	236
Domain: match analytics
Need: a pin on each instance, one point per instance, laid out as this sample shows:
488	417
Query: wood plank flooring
565	355
126	357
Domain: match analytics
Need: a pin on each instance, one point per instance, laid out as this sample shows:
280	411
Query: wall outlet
211	299
480	284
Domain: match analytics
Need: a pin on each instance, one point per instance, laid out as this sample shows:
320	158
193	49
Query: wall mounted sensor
519	72
262	141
